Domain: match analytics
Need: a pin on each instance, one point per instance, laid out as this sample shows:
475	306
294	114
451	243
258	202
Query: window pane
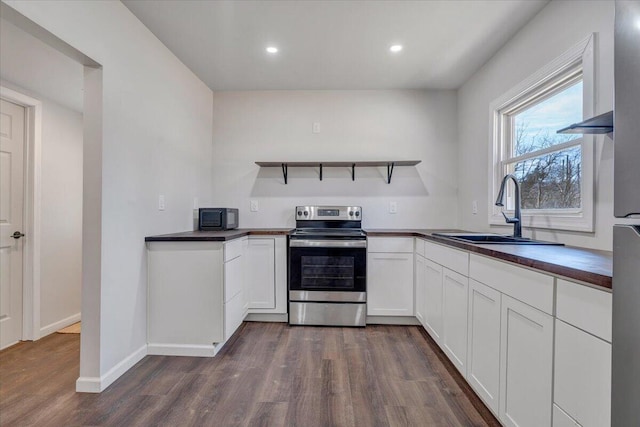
551	181
535	128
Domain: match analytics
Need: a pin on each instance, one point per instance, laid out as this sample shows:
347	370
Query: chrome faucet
517	219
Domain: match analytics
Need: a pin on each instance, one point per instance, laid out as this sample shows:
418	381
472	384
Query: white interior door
12	138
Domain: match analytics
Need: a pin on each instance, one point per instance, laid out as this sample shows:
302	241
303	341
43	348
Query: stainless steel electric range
328	267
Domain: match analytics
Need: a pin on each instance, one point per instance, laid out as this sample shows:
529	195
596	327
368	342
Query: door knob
17	235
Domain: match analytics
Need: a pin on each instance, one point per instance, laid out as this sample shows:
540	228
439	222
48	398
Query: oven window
335	272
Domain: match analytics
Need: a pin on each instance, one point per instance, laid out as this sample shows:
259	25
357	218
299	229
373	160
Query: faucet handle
509	220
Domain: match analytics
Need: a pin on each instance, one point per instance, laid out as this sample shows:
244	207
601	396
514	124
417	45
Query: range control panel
329	213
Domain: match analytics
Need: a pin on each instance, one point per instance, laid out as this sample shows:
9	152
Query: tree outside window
547	164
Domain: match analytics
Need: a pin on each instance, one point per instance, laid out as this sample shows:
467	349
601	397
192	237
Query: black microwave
217	219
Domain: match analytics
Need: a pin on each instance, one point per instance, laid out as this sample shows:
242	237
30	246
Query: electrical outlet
474	207
253	205
161	202
316	127
393	207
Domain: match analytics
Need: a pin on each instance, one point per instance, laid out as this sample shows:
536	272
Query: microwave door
627	110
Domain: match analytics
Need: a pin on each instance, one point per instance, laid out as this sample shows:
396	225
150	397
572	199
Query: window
555	171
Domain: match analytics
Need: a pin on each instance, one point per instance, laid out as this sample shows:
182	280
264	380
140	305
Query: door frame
31	211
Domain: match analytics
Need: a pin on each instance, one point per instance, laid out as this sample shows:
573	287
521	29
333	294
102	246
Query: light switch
161	202
253	205
393	207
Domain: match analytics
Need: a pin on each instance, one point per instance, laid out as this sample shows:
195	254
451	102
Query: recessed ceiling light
396	48
272	49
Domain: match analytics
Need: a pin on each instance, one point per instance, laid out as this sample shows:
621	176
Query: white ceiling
334	44
31	64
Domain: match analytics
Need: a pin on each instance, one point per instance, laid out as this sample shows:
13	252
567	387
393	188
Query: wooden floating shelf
390	164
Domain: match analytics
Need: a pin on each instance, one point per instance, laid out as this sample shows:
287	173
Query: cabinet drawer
233	249
530	287
390	244
453	259
584	307
420	247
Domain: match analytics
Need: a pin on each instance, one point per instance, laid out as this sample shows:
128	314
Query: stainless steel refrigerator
625	403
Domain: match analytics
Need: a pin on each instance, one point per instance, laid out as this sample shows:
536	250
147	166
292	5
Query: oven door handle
295	243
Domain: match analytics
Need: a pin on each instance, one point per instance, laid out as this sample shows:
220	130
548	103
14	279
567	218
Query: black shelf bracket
389	171
390	164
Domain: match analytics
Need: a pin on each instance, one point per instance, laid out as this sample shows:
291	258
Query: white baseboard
392	320
183	350
88	385
56	326
97	385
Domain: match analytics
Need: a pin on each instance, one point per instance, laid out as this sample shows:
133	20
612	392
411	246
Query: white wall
558	27
25	58
354	125
156	139
30	63
61	212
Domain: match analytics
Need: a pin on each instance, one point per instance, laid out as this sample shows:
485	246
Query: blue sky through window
538	124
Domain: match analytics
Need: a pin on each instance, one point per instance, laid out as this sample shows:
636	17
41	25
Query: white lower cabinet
562	419
483	348
433	300
200	292
454	317
582	379
390	284
235	306
261	269
526	365
420	294
535	348
185	314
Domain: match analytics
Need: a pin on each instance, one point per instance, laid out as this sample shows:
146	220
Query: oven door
324	267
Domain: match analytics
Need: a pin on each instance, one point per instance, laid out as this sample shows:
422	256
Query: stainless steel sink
494	239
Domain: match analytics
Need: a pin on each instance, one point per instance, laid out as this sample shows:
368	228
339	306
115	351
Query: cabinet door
483	357
433	300
390	284
455	294
233	315
261	284
582	379
234	299
526	354
233	278
420	295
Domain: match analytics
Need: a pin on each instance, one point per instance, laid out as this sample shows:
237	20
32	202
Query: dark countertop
587	265
217	236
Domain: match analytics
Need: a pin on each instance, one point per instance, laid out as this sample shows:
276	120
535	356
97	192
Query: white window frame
555	76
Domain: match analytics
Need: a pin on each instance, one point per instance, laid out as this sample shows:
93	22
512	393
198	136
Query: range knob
299	213
350	213
357	213
306	213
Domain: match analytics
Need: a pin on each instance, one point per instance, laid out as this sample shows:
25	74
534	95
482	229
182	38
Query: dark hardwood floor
270	374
